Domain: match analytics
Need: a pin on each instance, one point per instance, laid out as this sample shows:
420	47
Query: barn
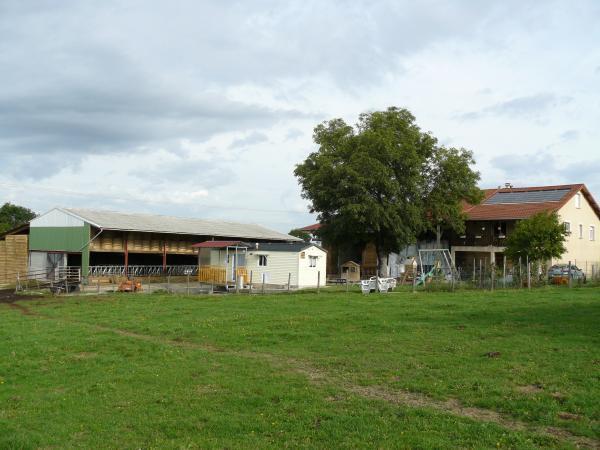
116	243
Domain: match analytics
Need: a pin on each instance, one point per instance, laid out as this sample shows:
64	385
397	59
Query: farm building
115	243
302	264
489	223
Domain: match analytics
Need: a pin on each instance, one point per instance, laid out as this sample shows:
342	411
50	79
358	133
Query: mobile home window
592	233
578	200
262	260
580	231
312	261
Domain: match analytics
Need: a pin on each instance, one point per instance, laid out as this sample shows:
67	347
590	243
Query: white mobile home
224	262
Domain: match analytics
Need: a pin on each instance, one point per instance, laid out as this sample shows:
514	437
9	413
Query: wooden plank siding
113	241
13	258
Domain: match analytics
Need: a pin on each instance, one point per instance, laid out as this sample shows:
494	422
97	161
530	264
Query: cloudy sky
202	109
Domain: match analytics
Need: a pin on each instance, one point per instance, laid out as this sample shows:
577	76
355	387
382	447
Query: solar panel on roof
527	197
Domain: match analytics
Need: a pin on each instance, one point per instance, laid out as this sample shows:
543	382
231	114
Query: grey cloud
548	168
293	133
569	135
526	106
252	139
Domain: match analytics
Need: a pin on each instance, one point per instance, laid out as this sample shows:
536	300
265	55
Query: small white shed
276	261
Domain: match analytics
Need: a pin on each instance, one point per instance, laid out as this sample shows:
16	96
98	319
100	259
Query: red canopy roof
219	244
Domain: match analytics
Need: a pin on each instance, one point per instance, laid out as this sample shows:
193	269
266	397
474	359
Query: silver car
559	274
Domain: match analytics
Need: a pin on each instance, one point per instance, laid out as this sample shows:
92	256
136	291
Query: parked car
559	274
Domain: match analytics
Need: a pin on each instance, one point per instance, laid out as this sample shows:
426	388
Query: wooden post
570	274
520	273
528	273
263	283
98	285
504	272
474	266
126	258
289	281
164	257
318	282
188	284
492	274
250	286
347	284
480	274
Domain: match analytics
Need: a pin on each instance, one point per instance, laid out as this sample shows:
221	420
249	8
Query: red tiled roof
503	211
218	244
312	227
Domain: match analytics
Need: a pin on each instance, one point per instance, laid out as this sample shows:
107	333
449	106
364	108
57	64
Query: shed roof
285	246
220	244
111	220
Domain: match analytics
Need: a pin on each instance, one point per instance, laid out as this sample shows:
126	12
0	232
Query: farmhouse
115	243
300	264
489	223
487	226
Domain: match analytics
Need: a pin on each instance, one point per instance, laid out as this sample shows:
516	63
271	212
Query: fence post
250	286
520	273
98	285
474	267
493	274
318	282
169	283
188	284
263	283
504	272
347	284
569	273
528	273
480	274
289	281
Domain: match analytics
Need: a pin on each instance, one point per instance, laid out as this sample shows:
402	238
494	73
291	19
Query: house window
312	261
580	231
567	226
578	200
262	260
500	230
592	233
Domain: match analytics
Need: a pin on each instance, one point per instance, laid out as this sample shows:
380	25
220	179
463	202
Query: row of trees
385	181
12	216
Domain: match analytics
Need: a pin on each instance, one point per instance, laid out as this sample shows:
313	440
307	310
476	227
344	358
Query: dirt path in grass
319	377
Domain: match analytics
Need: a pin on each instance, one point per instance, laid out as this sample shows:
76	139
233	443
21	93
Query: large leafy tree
541	237
450	182
14	215
372	182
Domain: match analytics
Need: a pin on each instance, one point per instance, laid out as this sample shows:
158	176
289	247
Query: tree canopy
540	237
304	235
385	181
12	216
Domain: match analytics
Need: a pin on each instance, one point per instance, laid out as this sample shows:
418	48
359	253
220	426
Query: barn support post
126	257
164	256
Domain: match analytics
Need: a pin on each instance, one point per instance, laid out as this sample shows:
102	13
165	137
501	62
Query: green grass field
473	369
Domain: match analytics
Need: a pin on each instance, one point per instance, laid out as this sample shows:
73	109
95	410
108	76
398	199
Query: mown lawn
303	370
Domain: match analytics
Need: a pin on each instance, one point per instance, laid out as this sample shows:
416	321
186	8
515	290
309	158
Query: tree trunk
382	267
438	236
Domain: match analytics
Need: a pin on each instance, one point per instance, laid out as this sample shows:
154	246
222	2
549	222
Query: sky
203	109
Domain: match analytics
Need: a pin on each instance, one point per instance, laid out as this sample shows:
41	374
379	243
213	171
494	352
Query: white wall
279	266
580	250
308	276
56	218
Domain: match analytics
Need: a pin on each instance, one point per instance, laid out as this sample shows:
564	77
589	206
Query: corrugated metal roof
111	220
220	244
284	246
